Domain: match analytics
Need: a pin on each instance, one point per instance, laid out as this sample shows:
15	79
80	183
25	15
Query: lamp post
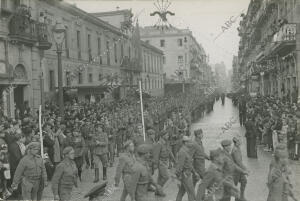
59	36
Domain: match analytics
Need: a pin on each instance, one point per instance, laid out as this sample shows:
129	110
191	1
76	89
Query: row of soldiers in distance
56	130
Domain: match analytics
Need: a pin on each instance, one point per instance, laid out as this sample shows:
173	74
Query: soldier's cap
214	153
143	149
225	143
235	139
127	143
198	132
186	138
33	145
67	150
151	132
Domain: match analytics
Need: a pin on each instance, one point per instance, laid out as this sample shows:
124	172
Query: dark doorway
19	98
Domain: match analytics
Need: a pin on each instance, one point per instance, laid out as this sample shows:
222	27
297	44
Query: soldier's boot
242	192
96	175
79	173
104	173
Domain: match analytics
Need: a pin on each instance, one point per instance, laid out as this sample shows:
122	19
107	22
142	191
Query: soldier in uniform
229	168
213	179
161	155
124	168
199	155
238	177
31	173
141	177
184	171
100	152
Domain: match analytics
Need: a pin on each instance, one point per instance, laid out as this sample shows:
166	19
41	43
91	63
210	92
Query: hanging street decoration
162	11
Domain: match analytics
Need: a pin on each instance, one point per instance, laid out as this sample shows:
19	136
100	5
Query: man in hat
161	155
141	177
124	168
238	177
100	152
184	171
199	155
213	179
229	168
32	173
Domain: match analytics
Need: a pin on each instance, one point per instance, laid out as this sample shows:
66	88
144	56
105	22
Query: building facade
184	58
235	82
269	50
95	55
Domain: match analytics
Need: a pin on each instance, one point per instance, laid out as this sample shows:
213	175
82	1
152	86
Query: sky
205	18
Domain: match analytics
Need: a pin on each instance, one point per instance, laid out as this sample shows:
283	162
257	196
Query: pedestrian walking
78	145
124	169
251	137
184	171
100	152
238	177
65	176
31	173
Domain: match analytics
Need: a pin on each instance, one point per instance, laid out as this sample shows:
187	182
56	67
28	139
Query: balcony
24	30
285	39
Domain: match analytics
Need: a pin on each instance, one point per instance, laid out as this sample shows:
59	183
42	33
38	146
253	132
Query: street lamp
59	36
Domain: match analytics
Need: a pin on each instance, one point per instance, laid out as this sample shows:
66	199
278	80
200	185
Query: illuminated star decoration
162	6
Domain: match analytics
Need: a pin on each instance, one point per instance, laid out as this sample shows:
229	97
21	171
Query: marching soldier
184	171
229	168
199	155
141	177
161	155
238	177
124	168
100	152
31	173
213	179
111	143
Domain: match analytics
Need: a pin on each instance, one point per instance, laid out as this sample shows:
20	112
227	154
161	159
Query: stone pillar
262	84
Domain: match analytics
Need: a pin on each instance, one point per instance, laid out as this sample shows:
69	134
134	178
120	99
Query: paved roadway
211	124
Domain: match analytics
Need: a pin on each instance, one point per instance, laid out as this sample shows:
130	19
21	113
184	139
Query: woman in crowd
65	176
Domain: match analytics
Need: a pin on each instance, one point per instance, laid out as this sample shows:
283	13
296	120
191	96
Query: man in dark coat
251	137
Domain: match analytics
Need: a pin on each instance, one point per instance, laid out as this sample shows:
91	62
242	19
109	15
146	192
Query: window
162	43
68	78
51	80
115	51
99	50
107	53
180	60
100	77
148	63
90	77
164	60
145	62
179	41
3	3
185	39
185	58
89	48
79	78
78	45
66	43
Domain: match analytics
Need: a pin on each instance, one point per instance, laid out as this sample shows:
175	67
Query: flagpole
41	133
142	111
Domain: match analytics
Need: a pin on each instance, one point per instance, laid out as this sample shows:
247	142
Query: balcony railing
24	30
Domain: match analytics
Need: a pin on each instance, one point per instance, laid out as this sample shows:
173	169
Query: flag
136	43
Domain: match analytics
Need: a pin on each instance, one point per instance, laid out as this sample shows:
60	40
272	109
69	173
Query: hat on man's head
127	143
225	143
151	132
33	145
143	149
198	132
67	150
186	138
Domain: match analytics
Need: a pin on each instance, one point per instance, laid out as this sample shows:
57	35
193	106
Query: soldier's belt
143	182
33	178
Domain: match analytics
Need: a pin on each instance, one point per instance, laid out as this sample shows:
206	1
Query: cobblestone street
211	125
